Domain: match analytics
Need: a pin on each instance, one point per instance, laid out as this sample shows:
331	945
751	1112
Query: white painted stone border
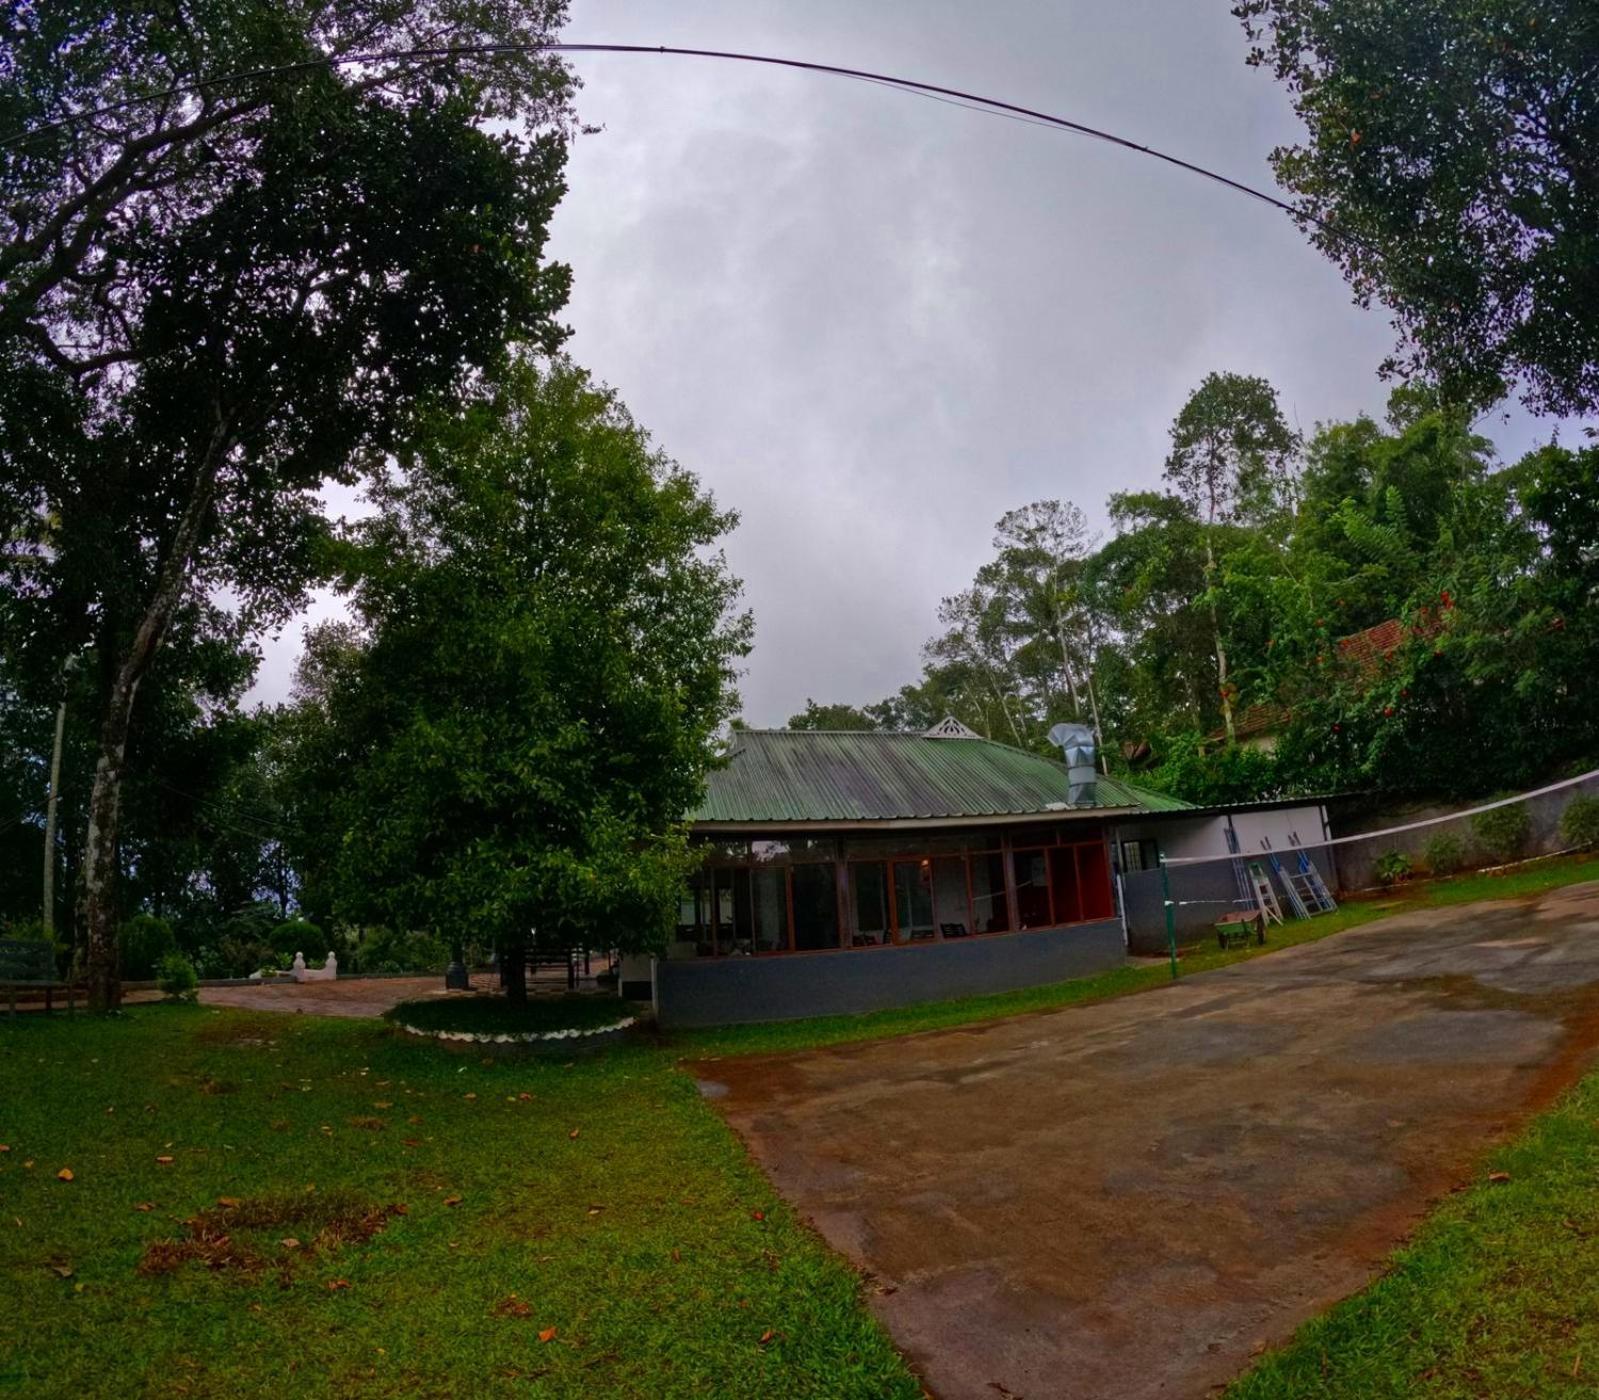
518	1037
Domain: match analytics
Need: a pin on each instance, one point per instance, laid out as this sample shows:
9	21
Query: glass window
913	901
815	906
694	915
1140	854
732	903
769	894
889	846
990	908
1063	888
765	852
1032	889
808	848
950	910
1093	883
726	852
868	889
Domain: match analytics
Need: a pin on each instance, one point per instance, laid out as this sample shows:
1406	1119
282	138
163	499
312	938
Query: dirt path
1127	1200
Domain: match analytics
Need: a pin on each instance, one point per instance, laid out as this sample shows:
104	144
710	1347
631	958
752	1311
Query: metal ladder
1246	893
1290	888
1263	896
1317	898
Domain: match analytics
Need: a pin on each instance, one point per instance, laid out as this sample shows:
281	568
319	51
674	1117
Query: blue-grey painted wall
723	991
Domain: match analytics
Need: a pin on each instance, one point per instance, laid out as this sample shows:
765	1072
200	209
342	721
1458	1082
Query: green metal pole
1171	916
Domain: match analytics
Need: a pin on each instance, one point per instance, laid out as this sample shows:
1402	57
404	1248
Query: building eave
847	825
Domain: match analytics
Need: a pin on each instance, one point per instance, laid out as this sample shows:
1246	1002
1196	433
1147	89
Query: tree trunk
1221	651
100	847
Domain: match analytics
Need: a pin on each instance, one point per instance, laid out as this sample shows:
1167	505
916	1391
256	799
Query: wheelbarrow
1235	930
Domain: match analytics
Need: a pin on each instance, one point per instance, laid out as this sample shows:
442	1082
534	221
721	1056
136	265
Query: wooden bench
29	964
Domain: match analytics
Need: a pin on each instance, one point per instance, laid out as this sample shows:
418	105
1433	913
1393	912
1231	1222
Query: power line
990	106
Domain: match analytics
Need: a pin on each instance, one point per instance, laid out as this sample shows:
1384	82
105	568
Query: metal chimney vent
1076	741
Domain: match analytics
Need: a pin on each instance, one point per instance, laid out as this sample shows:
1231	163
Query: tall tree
213	300
1452	171
1230	456
1039	554
550	636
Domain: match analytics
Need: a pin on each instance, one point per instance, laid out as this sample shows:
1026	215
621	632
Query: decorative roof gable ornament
950	728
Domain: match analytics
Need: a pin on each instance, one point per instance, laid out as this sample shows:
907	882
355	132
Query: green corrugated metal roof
782	775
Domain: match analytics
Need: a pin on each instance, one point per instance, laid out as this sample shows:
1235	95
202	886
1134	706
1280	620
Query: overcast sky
873	323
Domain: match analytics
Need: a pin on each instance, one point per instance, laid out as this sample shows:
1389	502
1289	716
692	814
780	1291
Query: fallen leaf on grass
1498	1176
525	1096
65	1174
163	1161
382	1105
145	1205
574	1132
61	1269
228	1202
677	1256
595	1210
411	1142
471	1096
452	1200
5	1147
289	1242
757	1215
512	1306
335	1284
547	1335
768	1337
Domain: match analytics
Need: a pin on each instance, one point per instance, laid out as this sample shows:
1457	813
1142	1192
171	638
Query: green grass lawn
447	1213
348	1209
1498	1295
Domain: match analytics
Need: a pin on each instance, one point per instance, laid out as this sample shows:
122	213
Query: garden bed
561	1022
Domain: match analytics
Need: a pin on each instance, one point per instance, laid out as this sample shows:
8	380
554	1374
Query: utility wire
991	106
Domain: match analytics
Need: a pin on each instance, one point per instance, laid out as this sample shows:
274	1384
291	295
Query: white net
1303	874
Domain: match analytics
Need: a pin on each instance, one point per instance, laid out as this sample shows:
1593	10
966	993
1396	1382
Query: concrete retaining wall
724	991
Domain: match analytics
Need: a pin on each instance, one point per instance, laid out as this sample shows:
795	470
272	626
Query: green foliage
176	977
1212	774
27	930
1444	853
146	940
834	716
212	306
511	744
1579	823
1446	144
1501	832
299	936
1394	867
381	949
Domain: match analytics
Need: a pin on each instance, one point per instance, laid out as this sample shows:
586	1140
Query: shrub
1393	867
27	931
300	936
146	939
1445	853
176	977
1502	831
1579	823
390	950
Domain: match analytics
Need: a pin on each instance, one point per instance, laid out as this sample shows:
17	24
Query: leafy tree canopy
510	744
1450	170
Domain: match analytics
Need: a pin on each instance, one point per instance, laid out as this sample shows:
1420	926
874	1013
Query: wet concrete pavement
1129	1199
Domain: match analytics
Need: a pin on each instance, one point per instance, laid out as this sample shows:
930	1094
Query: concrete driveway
1131	1199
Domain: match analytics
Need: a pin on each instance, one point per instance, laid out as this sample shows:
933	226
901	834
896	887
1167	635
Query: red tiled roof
1366	651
